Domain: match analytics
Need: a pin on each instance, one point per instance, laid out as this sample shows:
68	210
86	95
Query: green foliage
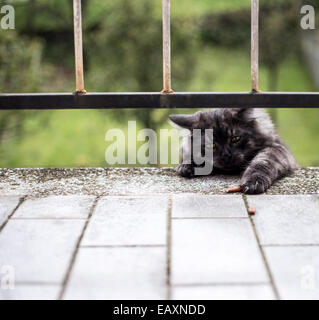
44	15
77	138
278	31
20	71
123	52
187	8
20	62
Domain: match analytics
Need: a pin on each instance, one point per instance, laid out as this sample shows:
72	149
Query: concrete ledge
135	181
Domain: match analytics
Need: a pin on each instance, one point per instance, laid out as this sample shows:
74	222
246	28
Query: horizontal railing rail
140	100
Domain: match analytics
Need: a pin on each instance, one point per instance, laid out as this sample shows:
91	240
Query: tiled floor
159	246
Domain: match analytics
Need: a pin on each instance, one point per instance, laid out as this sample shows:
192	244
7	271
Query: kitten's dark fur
259	152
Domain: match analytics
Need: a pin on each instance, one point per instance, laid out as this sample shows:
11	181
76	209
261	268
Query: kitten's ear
186	121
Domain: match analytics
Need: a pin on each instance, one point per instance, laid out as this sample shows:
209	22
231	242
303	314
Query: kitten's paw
185	170
255	184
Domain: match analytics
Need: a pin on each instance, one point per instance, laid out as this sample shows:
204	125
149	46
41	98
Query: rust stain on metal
167	91
82	91
254	91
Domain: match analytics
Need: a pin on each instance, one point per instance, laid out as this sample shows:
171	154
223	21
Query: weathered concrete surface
131	181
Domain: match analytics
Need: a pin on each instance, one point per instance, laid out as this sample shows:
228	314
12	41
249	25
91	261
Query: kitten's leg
186	167
269	165
186	170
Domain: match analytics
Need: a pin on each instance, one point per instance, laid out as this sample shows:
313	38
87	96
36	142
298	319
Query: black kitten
245	140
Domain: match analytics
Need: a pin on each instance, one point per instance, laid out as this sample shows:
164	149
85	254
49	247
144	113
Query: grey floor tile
223	292
39	250
215	251
295	271
56	207
287	219
128	221
191	205
7	205
118	273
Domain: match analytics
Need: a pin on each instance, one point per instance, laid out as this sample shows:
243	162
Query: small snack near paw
252	211
235	189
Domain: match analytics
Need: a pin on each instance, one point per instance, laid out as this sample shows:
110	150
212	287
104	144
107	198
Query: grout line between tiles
48	218
208	218
274	287
271	245
123	246
36	283
21	200
72	262
219	284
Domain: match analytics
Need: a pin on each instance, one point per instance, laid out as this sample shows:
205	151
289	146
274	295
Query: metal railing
254	44
78	47
167	98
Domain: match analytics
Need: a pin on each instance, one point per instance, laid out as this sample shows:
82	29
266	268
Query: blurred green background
123	52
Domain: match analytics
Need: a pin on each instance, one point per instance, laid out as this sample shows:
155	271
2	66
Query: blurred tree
122	51
122	45
279	33
125	52
20	71
226	29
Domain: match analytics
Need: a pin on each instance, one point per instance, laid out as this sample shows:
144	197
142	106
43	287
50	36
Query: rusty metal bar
78	46
152	100
167	87
254	44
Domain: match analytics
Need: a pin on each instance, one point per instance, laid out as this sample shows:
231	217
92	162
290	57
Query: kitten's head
238	133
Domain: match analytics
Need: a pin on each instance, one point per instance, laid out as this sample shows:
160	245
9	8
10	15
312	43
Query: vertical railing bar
167	87
254	44
78	46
